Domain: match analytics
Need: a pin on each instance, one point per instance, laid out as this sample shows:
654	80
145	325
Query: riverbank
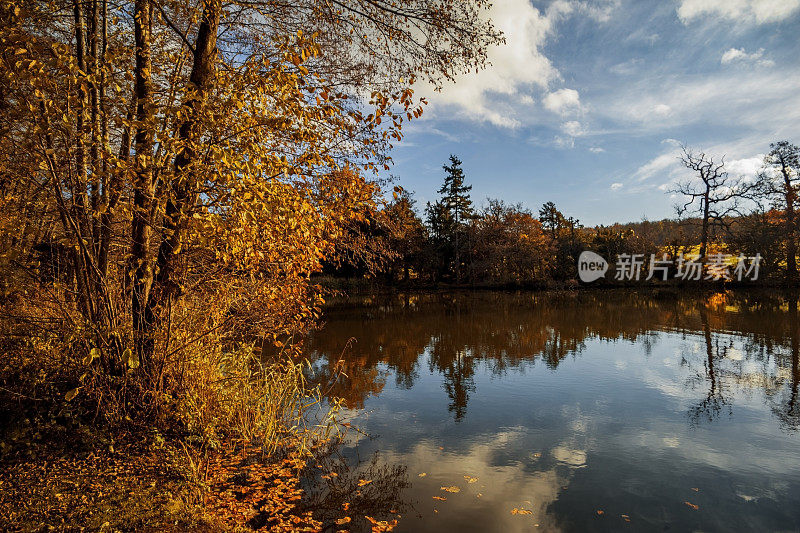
54	477
360	286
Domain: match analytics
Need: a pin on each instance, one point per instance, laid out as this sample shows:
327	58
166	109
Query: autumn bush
172	175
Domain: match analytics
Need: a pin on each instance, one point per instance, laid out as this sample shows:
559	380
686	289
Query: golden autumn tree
191	165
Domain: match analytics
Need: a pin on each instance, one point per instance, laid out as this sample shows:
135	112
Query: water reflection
373	338
569	404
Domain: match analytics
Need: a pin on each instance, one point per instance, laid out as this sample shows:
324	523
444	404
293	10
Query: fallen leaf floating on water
343	521
693	506
362	482
346	506
422	474
600	512
479	495
381	525
695	489
521	511
452	488
470	479
626	517
440	498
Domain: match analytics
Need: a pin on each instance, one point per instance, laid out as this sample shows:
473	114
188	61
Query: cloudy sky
588	101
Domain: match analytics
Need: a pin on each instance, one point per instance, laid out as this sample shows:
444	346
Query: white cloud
564	141
668	169
596	150
662	110
562	101
738	55
766	104
626	67
747	167
573	128
516	67
597	12
616	186
744	11
418	127
666	163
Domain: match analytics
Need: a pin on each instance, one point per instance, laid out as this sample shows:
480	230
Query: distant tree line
453	241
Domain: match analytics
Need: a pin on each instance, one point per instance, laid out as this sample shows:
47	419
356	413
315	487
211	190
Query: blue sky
588	101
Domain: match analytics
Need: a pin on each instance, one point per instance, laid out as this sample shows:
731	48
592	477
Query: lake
584	411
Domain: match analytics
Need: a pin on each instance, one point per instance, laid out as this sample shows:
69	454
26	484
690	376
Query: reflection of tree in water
713	403
458	373
787	408
557	347
506	331
337	488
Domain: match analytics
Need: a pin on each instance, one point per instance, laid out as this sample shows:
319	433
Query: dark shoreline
361	286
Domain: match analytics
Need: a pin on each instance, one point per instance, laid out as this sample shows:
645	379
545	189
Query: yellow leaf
130	358
93	354
71	394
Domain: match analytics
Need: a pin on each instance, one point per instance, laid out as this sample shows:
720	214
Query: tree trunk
791	244
143	189
704	235
184	181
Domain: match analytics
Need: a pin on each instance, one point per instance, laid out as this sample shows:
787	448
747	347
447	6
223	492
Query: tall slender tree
456	200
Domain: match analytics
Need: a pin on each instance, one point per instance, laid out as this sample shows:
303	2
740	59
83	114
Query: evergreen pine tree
455	195
457	203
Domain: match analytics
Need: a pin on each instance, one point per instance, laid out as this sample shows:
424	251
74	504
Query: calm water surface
660	411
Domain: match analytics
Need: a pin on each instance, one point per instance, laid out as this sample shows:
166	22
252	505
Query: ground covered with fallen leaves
68	477
89	482
82	479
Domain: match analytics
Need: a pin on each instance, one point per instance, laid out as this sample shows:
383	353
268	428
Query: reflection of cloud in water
671	442
569	456
735	354
501	488
524	429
